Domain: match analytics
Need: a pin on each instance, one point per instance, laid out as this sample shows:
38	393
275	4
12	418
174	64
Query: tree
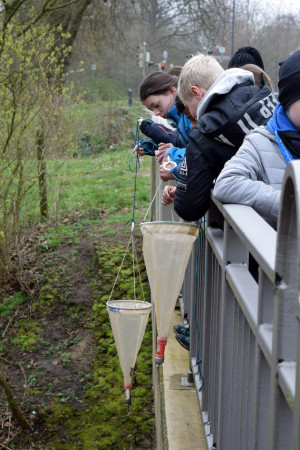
111	32
27	13
32	101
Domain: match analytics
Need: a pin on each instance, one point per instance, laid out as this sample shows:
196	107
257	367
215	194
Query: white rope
152	200
134	258
172	212
140	277
119	269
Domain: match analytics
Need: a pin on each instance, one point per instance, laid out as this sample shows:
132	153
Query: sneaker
184	341
180	329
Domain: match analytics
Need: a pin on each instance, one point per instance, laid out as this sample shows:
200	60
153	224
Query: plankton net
167	247
128	319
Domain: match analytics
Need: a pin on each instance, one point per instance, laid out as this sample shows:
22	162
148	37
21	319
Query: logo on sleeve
181	186
183	169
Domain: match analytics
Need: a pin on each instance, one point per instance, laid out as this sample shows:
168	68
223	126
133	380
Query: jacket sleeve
204	159
176	154
241	182
160	133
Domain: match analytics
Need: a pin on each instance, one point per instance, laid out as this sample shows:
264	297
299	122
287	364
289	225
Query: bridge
241	297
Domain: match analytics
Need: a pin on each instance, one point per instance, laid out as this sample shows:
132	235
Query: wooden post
42	174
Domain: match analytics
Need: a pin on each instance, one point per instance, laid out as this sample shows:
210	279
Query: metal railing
241	297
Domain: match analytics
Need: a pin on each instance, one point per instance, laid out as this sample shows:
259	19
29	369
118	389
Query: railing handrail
249	322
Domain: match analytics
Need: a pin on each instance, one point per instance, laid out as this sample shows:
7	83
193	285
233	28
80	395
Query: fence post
283	426
42	167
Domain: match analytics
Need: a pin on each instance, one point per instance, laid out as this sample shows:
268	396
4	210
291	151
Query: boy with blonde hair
201	71
227	106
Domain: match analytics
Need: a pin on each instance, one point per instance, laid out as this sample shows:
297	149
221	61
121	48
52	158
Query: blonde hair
201	71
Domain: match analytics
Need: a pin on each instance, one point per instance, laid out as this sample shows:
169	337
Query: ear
173	90
196	92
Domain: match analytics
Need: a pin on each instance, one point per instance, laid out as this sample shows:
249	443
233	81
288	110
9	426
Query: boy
254	175
228	106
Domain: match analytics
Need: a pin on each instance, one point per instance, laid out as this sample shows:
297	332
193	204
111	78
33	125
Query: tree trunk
18	415
42	175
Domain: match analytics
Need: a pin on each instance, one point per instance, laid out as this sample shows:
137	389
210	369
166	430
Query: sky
284	6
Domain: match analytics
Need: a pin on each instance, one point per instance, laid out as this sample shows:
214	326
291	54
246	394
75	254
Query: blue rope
136	138
137	166
199	361
148	146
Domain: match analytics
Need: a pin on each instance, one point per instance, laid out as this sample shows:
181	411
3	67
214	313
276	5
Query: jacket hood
224	84
234	107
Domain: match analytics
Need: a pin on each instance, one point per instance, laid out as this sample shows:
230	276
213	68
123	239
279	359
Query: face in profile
161	104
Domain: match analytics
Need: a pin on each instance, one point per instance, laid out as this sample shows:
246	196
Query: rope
140	277
133	268
137	166
120	269
136	138
148	146
172	212
152	201
131	239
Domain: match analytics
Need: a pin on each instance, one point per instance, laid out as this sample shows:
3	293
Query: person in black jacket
228	106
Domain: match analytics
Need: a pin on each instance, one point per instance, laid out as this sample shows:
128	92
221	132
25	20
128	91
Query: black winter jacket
159	133
224	119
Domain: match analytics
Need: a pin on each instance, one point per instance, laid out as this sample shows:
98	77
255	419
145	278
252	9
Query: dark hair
258	74
179	105
246	55
175	70
157	83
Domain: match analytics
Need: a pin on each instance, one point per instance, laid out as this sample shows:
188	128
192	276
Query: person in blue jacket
158	94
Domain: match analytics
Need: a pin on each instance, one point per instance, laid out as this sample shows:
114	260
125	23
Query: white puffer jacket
254	175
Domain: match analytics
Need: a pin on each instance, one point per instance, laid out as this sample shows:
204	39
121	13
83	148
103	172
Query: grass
85	185
76	255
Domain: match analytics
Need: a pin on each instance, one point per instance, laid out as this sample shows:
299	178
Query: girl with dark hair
158	94
246	55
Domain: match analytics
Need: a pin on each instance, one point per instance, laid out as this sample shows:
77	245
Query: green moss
28	335
9	304
105	422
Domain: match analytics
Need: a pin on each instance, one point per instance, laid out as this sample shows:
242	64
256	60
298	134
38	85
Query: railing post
286	325
234	252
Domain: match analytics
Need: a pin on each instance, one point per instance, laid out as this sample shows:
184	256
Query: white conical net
167	247
128	320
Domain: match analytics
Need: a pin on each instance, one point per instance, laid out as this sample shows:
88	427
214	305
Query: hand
165	174
140	120
140	151
162	151
168	195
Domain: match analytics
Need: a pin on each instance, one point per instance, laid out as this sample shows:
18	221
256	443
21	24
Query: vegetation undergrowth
56	349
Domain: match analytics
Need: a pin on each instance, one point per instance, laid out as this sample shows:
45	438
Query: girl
158	94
